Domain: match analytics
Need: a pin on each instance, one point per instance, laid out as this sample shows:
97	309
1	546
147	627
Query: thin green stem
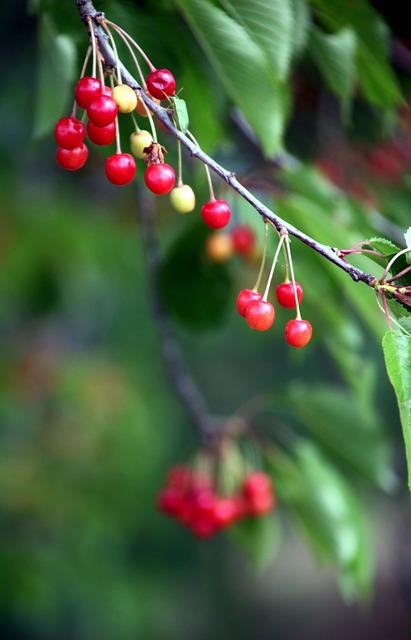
133	42
290	262
113	44
260	273
270	277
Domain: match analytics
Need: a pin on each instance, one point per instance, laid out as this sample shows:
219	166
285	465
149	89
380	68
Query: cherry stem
290	262
391	262
113	44
94	48
260	273
123	35
399	275
179	165
270	277
133	42
207	170
83	71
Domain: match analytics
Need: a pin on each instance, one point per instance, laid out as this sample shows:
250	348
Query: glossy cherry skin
260	315
159	178
244	298
216	213
285	294
69	132
102	110
161	83
86	88
72	159
101	135
298	333
120	168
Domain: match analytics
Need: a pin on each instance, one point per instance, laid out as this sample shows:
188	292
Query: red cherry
298	332
161	83
243	238
256	483
72	159
260	315
244	298
69	132
101	135
170	500
179	476
120	168
285	294
225	511
159	178
86	88
102	110
260	505
215	213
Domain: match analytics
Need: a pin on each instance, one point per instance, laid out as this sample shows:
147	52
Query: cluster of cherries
260	313
193	500
102	106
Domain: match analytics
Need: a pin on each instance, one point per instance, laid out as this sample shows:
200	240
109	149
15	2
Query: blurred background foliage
89	420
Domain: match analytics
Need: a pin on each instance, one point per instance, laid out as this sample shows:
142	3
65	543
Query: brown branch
87	11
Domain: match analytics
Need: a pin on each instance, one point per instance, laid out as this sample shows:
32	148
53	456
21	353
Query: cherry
225	511
260	315
125	98
101	135
120	168
102	110
215	213
285	294
86	88
161	83
159	178
182	198
72	159
298	332
243	239
142	108
219	246
140	140
244	298
69	132
170	501
256	483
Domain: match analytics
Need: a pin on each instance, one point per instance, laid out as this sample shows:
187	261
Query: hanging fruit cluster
259	312
103	96
191	496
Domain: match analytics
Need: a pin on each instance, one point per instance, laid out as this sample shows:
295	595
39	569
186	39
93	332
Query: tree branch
87	11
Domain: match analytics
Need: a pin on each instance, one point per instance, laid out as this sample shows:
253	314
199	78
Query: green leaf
328	514
382	245
335	57
195	290
180	114
55	76
302	20
270	23
243	70
397	354
376	76
257	538
348	432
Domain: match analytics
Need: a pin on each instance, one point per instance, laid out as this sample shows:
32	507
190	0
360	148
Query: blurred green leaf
335	57
195	289
376	76
397	354
349	433
257	538
242	67
56	69
328	514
